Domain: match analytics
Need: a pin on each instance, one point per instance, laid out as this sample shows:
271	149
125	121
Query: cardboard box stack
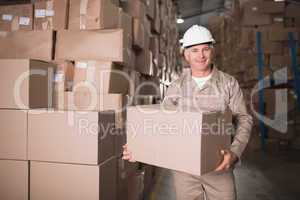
68	67
155	44
235	32
25	84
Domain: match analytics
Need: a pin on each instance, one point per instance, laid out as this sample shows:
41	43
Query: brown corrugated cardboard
155	24
251	19
92	15
278	20
126	23
16	17
19	89
84	100
281	34
252	16
64	75
162	61
162	10
150	8
105	45
104	77
248	36
270	47
13	138
194	137
27	44
116	2
138	34
297	22
144	63
135	8
147	26
63	81
271	7
292	10
154	48
281	60
70	137
14	180
51	14
50	181
162	45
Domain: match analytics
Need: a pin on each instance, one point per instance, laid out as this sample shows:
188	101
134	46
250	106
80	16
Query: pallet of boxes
274	20
63	85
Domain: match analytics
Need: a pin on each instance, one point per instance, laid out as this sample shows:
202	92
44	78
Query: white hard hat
197	35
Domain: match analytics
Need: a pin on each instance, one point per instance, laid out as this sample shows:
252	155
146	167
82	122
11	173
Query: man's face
199	57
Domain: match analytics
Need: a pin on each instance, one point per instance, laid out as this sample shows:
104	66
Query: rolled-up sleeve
243	119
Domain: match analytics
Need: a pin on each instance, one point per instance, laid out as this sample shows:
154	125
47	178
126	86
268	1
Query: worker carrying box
194	91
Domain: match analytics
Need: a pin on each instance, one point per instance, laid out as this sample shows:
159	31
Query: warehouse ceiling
198	11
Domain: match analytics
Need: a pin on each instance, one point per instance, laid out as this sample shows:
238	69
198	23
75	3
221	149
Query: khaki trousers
211	186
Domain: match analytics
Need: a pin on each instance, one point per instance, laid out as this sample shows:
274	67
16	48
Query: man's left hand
229	158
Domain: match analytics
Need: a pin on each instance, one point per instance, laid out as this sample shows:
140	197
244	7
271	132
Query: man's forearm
242	136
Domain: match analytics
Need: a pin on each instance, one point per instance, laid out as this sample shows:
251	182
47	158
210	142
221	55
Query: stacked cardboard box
25	84
16	17
80	58
155	43
272	19
237	53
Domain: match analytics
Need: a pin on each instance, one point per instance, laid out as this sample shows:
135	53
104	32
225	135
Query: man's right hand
127	154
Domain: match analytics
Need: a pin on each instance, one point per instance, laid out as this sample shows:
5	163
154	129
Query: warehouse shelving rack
294	83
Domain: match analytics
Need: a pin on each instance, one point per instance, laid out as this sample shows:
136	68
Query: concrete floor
262	176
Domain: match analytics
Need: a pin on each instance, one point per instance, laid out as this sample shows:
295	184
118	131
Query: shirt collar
214	74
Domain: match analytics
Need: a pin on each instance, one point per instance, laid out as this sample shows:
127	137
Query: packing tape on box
83	12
